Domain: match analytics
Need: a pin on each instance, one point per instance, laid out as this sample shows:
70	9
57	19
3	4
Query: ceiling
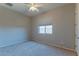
22	8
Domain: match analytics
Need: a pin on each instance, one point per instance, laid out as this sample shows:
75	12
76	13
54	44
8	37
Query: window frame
45	29
50	29
40	31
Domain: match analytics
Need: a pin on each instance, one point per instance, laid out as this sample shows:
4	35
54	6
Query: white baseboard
64	48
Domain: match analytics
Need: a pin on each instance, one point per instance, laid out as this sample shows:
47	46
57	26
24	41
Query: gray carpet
33	49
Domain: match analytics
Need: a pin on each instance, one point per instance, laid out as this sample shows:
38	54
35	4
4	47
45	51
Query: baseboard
64	48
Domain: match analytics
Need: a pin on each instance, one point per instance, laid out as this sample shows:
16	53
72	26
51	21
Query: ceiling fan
34	6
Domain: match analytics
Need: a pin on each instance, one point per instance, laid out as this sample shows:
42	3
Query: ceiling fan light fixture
33	9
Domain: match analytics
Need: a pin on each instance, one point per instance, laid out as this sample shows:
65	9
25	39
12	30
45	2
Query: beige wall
63	20
12	19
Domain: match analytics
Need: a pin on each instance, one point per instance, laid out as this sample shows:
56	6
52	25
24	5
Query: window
49	29
45	29
42	29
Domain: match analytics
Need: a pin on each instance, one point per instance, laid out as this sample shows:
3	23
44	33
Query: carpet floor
33	49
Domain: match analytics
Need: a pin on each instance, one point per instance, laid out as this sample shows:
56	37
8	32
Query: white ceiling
22	8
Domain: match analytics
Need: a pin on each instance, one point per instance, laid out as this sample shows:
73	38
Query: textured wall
63	20
14	27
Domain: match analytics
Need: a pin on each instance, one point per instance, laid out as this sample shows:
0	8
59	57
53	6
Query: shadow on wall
9	36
